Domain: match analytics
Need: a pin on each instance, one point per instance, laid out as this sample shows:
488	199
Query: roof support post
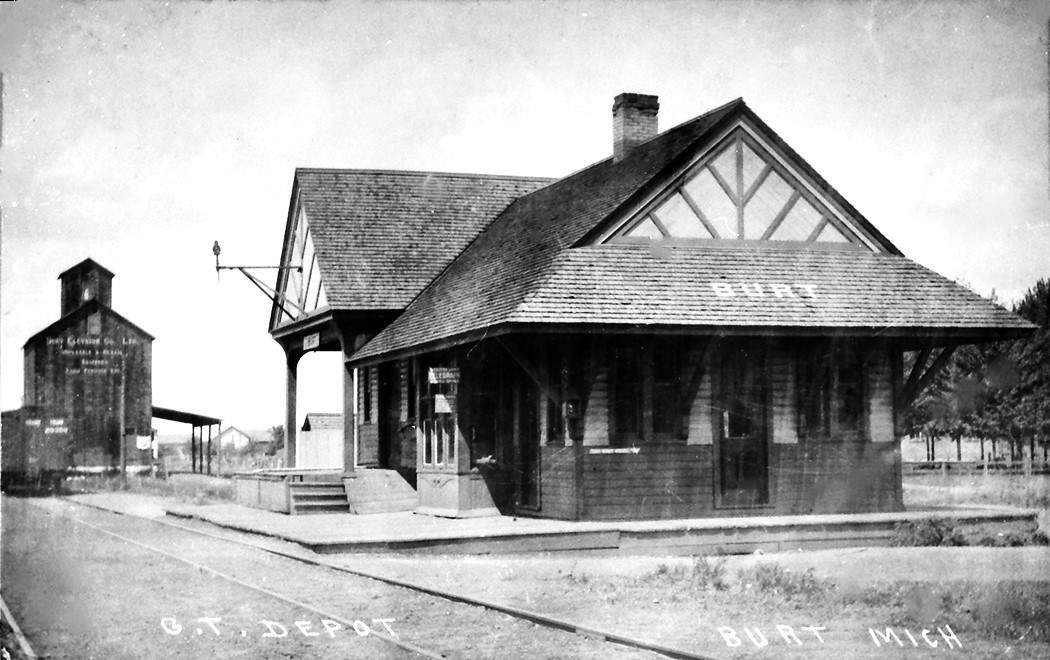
349	419
291	390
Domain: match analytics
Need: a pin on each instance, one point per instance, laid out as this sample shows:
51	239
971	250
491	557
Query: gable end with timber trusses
743	191
300	288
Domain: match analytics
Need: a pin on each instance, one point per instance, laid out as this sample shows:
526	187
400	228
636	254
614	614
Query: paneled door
743	462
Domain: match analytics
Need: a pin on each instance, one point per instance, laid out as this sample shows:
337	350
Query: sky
138	133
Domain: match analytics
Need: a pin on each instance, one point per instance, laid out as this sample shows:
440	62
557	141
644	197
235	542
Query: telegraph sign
443	375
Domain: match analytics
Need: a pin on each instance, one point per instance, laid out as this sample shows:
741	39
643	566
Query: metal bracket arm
267	290
277	298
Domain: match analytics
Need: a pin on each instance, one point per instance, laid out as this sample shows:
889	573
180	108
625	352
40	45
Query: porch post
292	363
349	419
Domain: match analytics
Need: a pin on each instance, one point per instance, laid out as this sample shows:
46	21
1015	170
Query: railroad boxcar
37	448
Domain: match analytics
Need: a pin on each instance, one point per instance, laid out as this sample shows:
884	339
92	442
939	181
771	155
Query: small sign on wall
312	341
439	375
442	404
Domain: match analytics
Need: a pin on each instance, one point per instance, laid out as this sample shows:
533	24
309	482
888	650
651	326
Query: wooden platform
408	532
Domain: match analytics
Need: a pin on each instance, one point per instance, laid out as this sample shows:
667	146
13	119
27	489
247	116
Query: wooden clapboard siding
368	432
406	434
558	482
660	481
700	430
783	397
677	479
596	418
402	381
829	477
368	445
880	395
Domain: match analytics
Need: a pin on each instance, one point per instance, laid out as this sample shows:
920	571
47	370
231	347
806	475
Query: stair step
308	512
332	492
335	506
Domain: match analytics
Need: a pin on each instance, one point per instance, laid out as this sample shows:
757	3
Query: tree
996	391
1031	394
276	440
929	415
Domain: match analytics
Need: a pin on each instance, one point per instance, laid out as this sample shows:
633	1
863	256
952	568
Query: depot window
644	391
831	392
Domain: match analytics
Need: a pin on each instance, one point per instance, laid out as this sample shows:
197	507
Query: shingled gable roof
382	236
532	265
86	264
323	422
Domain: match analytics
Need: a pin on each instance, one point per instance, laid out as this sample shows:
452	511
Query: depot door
742	463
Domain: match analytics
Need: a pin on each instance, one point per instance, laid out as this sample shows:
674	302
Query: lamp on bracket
267	290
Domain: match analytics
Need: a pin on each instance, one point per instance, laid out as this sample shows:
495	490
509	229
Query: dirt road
112	599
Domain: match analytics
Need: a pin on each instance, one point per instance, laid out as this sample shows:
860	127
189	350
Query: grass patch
678	582
927	532
958	489
195	488
1017	611
941	532
707	578
1014	539
774	580
702	574
1012	611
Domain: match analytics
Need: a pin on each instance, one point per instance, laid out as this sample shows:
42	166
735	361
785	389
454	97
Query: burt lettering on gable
726	289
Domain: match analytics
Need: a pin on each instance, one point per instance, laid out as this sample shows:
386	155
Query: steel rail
23	643
517	612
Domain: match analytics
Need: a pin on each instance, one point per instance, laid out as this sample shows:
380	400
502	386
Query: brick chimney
634	122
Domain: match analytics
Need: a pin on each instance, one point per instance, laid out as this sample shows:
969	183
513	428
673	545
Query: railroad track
425	614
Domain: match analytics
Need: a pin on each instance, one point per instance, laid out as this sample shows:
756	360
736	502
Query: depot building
698	325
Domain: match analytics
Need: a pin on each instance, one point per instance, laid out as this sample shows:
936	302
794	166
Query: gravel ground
81	594
661	599
78	594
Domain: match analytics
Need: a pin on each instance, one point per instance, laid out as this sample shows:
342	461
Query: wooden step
331	491
320	505
317	497
300	508
316	485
